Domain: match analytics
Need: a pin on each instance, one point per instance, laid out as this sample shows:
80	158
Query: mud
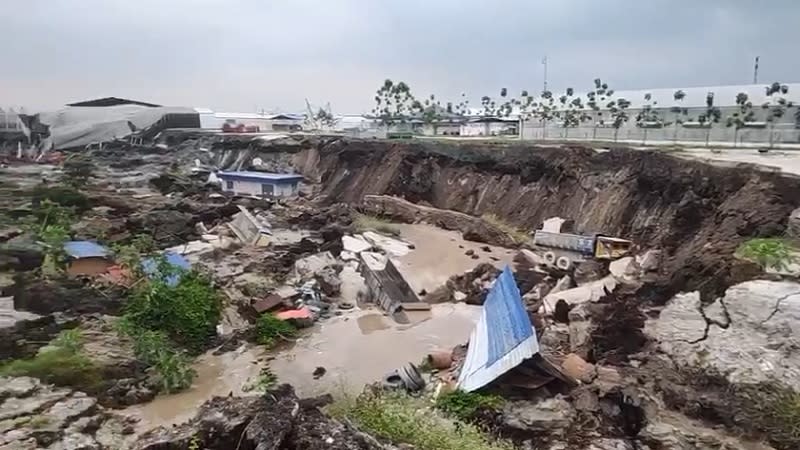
372	343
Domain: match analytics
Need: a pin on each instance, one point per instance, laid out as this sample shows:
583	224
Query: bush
66	196
265	381
406	420
773	253
154	348
364	222
463	405
61	362
187	312
269	329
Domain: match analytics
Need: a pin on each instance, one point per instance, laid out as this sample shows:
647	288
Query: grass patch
61	362
407	420
519	236
463	405
775	253
365	222
265	381
269	329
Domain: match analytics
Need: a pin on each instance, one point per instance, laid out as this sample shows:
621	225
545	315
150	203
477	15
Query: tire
550	258
563	263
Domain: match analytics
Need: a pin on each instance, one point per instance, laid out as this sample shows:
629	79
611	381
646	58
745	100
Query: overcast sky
244	55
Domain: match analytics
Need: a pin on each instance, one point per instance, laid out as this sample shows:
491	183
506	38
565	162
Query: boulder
748	336
550	416
329	281
588	271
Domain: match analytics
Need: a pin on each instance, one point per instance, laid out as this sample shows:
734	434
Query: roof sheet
85	249
150	266
503	337
263	176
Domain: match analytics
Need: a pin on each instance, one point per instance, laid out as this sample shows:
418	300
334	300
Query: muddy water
361	347
437	256
216	376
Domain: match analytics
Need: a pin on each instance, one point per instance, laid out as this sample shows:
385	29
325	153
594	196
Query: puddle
369	323
437	256
216	376
362	347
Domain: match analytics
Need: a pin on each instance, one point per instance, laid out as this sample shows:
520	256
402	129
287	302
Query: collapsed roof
79	126
112	101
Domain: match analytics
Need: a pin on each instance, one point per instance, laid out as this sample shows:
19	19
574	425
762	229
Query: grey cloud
247	54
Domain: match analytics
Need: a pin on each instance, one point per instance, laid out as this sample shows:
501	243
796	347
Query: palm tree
647	117
776	106
740	118
619	114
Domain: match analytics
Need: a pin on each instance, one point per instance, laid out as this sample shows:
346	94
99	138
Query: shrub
519	236
61	362
187	312
364	222
66	196
172	366
773	253
265	381
463	405
402	419
269	329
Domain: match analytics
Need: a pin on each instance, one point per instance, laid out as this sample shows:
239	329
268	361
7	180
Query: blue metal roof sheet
260	176
85	249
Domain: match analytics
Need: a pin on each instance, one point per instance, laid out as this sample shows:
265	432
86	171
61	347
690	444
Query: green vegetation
65	196
170	314
77	171
172	366
519	236
188	312
786	412
773	253
265	381
365	222
269	329
129	255
61	362
408	420
463	405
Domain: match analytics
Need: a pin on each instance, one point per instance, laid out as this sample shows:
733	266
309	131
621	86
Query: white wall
253	188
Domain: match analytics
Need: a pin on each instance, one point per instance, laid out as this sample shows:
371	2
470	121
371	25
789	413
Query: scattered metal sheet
386	286
503	337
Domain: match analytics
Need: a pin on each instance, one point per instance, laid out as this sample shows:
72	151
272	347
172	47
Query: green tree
571	113
394	102
776	106
678	111
647	116
596	98
619	114
710	116
743	115
545	109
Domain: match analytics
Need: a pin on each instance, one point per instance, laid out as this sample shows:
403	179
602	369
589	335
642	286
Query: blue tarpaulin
85	249
150	266
503	337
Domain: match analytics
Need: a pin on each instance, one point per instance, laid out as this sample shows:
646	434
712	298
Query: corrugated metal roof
503	337
85	249
259	176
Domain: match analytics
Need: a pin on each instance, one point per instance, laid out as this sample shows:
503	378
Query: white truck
562	250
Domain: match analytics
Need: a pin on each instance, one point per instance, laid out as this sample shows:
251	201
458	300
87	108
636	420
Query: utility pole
544	63
755	72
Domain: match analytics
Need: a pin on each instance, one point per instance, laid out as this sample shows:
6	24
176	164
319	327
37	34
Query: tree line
395	103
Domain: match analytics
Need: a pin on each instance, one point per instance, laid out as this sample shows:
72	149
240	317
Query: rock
590	292
551	416
748	336
486	249
475	256
459	296
793	225
670	431
16	407
469	252
580	331
355	244
553	224
576	367
610	444
75	441
588	271
329	281
650	261
564	283
390	246
623	269
17	387
308	266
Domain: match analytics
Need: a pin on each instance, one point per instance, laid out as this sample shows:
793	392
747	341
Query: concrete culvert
563	263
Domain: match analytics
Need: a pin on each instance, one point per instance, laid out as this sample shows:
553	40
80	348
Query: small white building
260	184
490	126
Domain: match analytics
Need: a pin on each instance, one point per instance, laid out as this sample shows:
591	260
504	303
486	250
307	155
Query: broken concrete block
308	266
355	244
329	281
588	271
623	268
553	224
577	367
391	246
650	261
590	292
